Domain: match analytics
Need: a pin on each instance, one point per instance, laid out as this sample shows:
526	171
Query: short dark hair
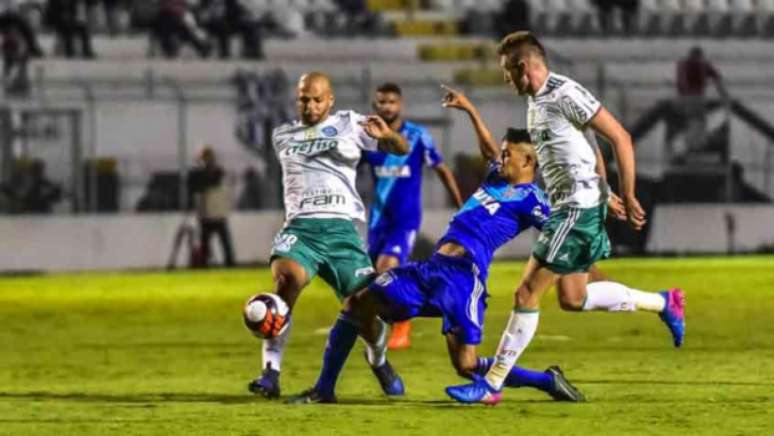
518	39
517	135
389	87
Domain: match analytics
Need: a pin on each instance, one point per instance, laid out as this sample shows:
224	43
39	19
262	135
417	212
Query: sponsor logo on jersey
384	279
537	212
539	136
309	147
402	171
323	200
487	201
364	271
330	131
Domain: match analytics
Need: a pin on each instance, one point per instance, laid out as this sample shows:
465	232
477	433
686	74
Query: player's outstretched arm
389	140
447	177
486	142
606	125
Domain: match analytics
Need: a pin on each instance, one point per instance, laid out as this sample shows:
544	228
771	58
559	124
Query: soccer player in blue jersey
452	284
396	211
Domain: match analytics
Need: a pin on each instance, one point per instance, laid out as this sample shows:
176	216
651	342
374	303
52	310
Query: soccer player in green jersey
319	153
574	237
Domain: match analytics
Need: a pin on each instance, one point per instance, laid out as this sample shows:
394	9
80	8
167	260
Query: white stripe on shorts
478	292
561	234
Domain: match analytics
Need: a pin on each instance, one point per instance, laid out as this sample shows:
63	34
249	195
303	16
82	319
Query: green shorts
573	239
328	246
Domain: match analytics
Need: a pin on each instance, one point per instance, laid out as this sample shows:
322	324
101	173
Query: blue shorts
392	242
441	287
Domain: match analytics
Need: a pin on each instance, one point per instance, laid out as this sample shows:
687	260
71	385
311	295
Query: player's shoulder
286	128
530	192
567	86
414	127
347	116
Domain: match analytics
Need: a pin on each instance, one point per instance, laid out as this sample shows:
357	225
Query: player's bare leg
577	294
290	278
401	330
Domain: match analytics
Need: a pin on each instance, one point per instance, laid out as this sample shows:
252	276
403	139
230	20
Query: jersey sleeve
432	156
578	105
275	137
364	141
538	209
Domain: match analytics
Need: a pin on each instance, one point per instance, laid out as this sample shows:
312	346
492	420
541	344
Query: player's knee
359	305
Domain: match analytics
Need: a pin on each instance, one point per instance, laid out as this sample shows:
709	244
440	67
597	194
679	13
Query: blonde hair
513	42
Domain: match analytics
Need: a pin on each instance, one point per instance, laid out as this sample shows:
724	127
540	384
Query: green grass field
166	354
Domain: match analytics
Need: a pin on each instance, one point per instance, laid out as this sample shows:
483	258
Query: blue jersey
496	213
398	191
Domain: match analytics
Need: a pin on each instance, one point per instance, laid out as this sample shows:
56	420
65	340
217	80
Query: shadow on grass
707	383
152	399
146	398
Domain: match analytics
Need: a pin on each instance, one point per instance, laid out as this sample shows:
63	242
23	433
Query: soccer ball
266	315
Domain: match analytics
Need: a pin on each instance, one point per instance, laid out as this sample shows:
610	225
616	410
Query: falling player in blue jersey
396	211
452	284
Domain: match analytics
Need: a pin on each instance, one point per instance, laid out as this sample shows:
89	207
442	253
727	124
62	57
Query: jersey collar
544	85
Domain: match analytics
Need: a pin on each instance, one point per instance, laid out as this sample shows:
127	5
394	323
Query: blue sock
519	377
340	342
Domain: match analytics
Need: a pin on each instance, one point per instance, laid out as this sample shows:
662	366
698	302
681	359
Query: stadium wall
77	243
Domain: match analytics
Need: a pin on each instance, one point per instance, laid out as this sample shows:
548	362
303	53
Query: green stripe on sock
524	310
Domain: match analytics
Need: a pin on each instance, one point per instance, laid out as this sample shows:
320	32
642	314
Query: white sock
274	348
615	297
518	334
377	352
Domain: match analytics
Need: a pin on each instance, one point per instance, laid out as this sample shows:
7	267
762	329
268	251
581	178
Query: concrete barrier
106	242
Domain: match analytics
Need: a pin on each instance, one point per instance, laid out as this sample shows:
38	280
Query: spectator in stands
223	18
176	23
251	196
359	18
110	9
514	15
69	20
29	191
629	10
15	57
12	22
206	182
693	73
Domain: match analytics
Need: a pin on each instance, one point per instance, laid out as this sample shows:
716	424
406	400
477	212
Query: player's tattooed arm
606	125
486	142
389	140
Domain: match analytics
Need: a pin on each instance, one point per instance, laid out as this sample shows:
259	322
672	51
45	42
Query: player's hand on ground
616	208
635	215
455	99
376	127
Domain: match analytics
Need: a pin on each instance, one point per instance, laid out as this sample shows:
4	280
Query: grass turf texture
166	354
